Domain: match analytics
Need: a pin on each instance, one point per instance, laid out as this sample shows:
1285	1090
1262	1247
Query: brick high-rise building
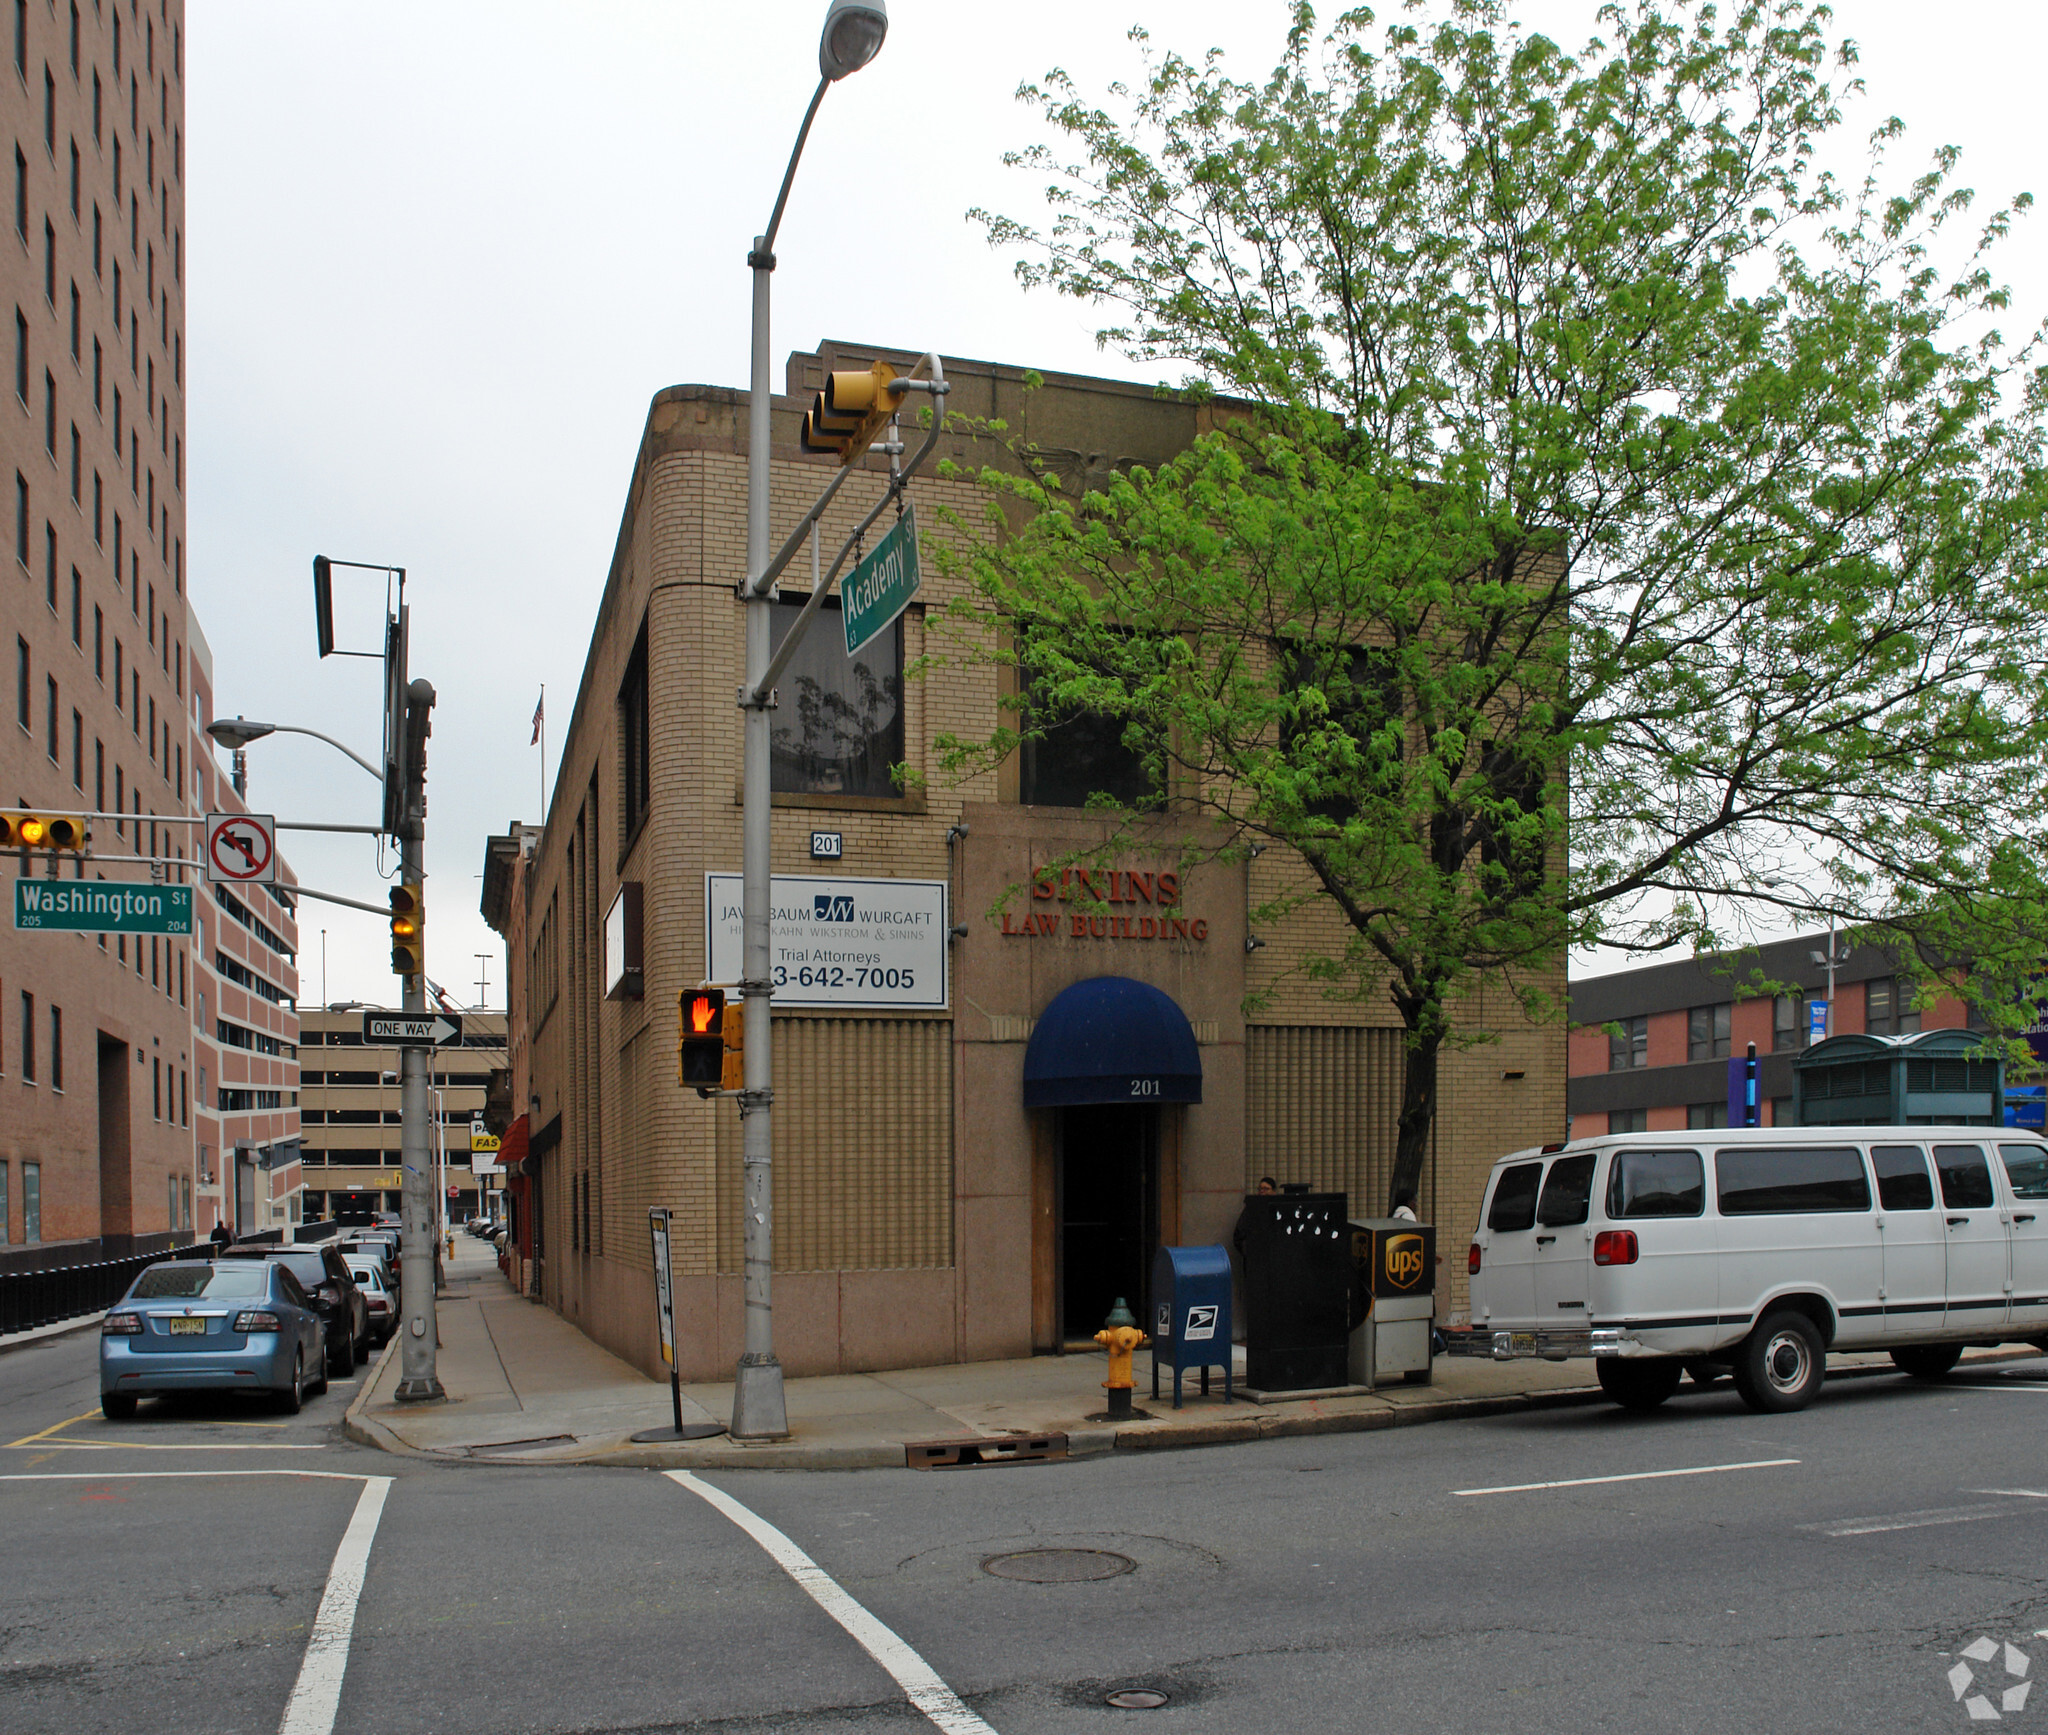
114	1046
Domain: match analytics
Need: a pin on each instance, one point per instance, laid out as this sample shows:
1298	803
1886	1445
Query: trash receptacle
1395	1263
1191	1315
1297	1291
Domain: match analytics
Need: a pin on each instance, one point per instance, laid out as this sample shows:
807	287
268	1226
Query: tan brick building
923	1212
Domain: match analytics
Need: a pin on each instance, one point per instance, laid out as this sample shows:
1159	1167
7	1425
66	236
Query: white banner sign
873	944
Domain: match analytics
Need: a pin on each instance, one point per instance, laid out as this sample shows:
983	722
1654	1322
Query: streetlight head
852	36
238	732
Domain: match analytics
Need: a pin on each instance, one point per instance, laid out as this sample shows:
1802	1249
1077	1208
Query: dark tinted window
1965	1177
309	1267
1656	1184
1567	1192
1514	1197
839	727
1903	1183
2026	1167
171	1282
1791	1178
294	1292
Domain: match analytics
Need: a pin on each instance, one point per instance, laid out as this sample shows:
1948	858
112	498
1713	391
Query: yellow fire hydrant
1120	1336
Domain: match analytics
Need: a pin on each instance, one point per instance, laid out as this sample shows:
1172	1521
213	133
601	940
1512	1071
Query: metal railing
29	1299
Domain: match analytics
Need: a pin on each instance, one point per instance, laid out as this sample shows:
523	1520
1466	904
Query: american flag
539	711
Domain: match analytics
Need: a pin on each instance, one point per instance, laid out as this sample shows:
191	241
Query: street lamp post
851	38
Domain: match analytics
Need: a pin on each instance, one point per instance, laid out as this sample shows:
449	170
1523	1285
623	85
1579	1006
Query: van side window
1567	1192
1657	1184
1903	1183
2026	1167
1514	1198
1965	1177
1781	1180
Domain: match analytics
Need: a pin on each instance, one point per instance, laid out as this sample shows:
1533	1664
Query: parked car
377	1247
323	1274
378	1296
1756	1251
188	1325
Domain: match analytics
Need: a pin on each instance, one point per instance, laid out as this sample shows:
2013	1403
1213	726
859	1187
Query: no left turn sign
242	847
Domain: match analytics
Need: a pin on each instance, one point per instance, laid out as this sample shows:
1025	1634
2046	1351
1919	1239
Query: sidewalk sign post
665	1306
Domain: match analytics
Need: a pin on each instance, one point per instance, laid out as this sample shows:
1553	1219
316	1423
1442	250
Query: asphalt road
192	1571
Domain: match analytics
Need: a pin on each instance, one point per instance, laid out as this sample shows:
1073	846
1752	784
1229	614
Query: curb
50	1333
1082	1442
366	1430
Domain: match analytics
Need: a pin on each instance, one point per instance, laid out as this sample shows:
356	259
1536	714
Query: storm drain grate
1059	1565
984	1449
522	1445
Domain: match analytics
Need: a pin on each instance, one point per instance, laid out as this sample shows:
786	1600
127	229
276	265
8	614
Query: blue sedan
190	1325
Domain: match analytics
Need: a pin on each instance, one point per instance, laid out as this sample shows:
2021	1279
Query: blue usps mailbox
1191	1315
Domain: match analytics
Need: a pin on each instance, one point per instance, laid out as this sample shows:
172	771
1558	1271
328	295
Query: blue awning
1110	1039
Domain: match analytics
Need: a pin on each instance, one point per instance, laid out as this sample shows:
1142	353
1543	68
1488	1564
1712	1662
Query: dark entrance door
1109	1212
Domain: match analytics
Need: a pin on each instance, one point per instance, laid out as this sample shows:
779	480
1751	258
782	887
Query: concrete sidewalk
525	1386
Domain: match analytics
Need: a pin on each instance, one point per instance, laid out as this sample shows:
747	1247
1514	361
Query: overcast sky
442	253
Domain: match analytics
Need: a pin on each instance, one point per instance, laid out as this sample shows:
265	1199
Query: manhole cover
1135	1699
1059	1565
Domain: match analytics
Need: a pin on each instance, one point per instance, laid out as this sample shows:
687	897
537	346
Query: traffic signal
408	930
41	831
700	1039
849	415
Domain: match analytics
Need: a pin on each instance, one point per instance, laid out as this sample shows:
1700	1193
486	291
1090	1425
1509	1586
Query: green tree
1608	522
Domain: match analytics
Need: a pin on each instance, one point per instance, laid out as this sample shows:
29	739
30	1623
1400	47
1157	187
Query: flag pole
542	709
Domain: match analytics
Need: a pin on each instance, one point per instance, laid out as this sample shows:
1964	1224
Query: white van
1755	1251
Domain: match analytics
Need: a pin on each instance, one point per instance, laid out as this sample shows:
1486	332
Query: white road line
1634	1476
1909	1520
2013	1494
912	1673
1995	1386
162	1475
171	1446
316	1695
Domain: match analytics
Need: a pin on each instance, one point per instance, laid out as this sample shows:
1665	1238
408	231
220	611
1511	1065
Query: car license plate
1522	1342
188	1328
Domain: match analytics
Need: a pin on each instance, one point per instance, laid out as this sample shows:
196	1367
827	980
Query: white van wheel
1927	1361
1637	1385
1781	1365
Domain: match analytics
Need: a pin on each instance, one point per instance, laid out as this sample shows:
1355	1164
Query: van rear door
1564	1251
1505	1293
1978	1268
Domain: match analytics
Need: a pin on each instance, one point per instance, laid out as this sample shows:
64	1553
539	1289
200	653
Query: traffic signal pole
418	1382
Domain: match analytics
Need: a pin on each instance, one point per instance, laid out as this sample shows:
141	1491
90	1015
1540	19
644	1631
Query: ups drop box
1393	1299
1191	1325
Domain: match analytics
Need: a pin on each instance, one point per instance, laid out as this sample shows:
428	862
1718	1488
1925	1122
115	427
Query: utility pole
418	1382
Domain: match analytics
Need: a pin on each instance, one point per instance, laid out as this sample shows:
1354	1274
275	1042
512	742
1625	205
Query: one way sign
412	1029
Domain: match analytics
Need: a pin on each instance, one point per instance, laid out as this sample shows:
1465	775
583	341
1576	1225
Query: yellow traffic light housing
408	930
700	1039
849	415
733	1026
41	831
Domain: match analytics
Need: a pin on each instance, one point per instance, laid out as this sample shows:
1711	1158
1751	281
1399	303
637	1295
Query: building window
156	1088
51	708
77	610
21	196
1077	754
1788	1023
22	713
1628	1046
56	1048
1628	1120
77	751
1706	1114
1888	1008
839	727
21	518
31	1203
28	1038
50	564
635	782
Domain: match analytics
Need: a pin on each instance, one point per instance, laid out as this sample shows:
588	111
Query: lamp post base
426	1391
758	1410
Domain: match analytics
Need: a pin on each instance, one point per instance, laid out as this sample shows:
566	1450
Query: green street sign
882	584
101	907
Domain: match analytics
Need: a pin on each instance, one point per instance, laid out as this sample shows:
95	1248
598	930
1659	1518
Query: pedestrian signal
41	831
700	1039
849	415
408	930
